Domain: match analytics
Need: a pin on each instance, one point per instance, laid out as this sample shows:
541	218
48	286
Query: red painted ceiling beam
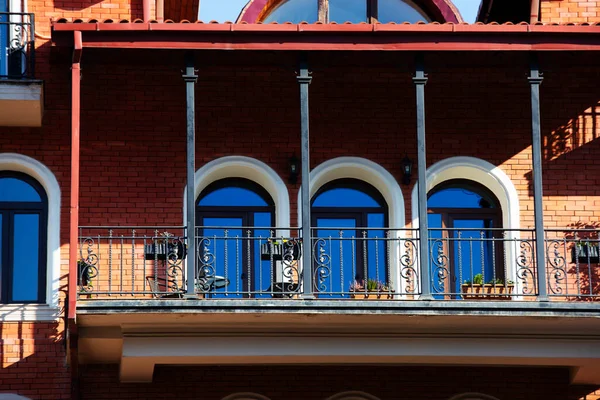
347	37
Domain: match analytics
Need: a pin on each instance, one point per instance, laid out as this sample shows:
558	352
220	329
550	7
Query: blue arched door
465	236
234	216
349	219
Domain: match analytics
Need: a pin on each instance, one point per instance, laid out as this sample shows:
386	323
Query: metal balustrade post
304	80
420	79
535	80
190	79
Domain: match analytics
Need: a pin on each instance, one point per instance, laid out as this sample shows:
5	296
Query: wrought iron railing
346	263
17	45
573	264
475	263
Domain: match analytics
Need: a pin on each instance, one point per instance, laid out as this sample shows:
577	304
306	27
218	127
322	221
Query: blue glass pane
342	268
232	196
226	245
219	10
457	198
473	250
400	11
12	189
344	197
376	248
263	272
354	11
295	11
26	244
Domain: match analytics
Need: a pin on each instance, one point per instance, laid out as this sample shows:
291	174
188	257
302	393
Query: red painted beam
331	37
74	200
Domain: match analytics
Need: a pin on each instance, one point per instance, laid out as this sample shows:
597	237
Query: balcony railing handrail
118	260
18	46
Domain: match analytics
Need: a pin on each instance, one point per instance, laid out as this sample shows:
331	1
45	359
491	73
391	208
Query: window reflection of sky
456	198
344	197
232	196
399	11
12	189
295	11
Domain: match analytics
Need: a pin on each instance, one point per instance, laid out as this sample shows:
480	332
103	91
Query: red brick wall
33	360
321	382
567	11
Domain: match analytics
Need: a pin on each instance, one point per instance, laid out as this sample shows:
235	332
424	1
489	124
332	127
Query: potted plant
494	289
370	289
85	273
277	249
164	247
585	252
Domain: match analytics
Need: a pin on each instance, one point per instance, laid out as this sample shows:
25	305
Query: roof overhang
330	37
141	334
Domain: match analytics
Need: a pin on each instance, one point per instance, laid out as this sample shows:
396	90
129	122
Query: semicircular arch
440	10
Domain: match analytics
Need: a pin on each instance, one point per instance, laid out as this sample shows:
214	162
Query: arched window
465	221
231	215
473	396
245	396
341	11
349	218
353	395
23	236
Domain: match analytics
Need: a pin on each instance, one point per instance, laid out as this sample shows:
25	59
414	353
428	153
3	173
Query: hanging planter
584	252
163	251
277	250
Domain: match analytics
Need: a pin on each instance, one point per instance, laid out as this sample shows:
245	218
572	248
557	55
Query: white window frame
494	179
50	310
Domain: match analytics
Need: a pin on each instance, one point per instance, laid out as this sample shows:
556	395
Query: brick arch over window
473	396
493	179
440	10
251	169
245	396
353	395
374	174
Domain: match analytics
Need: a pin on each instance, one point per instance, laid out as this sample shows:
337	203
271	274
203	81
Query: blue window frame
23	237
465	237
349	219
232	214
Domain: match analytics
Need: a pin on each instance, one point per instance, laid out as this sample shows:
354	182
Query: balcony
249	306
347	264
21	95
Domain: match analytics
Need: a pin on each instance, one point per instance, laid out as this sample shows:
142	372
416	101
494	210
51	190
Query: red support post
74	201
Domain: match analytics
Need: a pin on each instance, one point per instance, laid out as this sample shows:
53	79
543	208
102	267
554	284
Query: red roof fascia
383	37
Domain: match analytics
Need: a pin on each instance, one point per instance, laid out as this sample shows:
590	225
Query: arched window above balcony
355	11
23	223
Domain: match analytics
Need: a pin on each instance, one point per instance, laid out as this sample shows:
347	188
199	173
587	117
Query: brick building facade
113	317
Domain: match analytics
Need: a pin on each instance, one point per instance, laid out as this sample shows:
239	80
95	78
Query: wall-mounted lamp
406	169
294	166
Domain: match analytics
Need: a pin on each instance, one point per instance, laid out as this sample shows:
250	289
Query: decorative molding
374	174
353	395
473	396
244	396
28	312
490	176
249	168
41	173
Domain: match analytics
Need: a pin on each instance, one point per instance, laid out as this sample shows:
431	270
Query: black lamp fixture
406	169
294	165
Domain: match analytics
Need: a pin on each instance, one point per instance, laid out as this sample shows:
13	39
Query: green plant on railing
478	280
371	285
